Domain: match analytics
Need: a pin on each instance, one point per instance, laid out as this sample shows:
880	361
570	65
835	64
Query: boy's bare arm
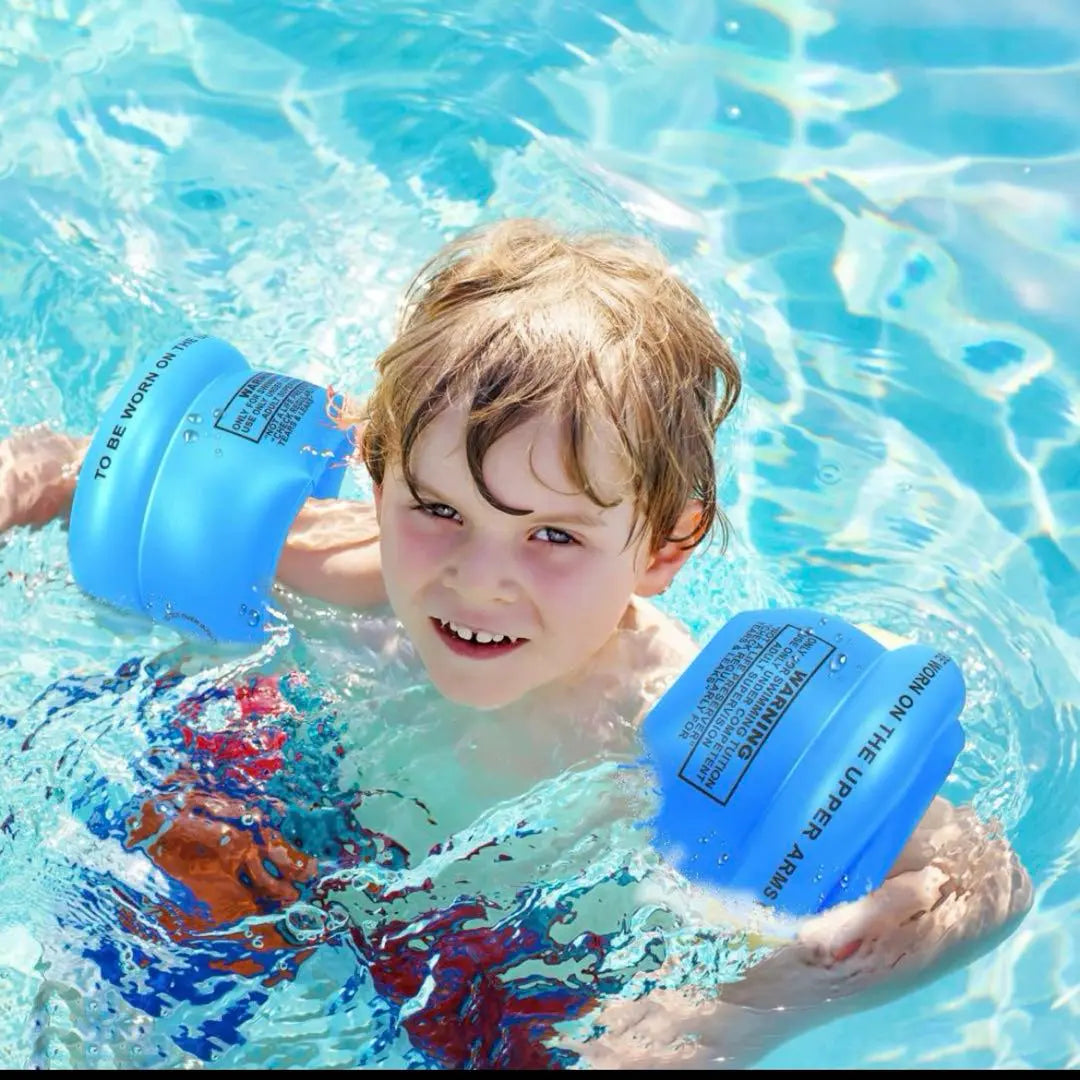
331	552
956	890
38	468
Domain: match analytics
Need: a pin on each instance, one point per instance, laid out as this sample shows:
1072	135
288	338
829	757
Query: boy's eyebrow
574	517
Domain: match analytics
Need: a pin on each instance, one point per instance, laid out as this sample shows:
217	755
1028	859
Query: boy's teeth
481	636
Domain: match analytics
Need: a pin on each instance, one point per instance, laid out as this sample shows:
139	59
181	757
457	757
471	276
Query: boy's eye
556	536
439	510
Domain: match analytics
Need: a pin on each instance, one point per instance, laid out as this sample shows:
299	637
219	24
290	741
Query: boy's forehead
528	460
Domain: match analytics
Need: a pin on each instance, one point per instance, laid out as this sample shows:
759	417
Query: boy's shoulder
644	618
653	649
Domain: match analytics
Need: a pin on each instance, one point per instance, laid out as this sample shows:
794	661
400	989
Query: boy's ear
664	563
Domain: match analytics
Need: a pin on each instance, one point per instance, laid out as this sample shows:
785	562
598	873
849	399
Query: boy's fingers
894	902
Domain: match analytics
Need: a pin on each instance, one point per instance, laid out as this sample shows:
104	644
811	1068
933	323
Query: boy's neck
625	677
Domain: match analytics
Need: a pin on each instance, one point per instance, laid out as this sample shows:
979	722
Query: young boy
540	441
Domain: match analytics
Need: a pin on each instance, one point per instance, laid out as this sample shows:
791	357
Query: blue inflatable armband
191	483
796	755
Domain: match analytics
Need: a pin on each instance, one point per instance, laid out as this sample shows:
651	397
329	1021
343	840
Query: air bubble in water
253	619
837	662
731	26
337	917
217	452
190	436
194	418
733	112
216	413
305	922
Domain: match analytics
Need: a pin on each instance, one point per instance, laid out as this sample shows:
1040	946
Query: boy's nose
480	573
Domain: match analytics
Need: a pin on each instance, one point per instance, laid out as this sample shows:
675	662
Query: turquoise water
879	203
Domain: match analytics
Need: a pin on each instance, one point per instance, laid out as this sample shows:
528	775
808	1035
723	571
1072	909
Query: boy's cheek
584	602
564	584
412	541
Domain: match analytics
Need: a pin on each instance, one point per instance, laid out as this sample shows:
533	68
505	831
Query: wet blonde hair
516	321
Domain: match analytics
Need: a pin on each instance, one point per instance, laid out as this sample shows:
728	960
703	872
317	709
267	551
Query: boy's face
545	591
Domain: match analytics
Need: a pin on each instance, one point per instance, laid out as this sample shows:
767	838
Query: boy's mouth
475	644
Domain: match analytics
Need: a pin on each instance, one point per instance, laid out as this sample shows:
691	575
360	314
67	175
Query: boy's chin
484	698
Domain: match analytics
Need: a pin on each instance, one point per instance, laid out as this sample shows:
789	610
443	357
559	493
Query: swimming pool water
878	202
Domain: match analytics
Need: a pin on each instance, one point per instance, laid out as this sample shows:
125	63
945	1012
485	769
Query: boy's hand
955	882
38	469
